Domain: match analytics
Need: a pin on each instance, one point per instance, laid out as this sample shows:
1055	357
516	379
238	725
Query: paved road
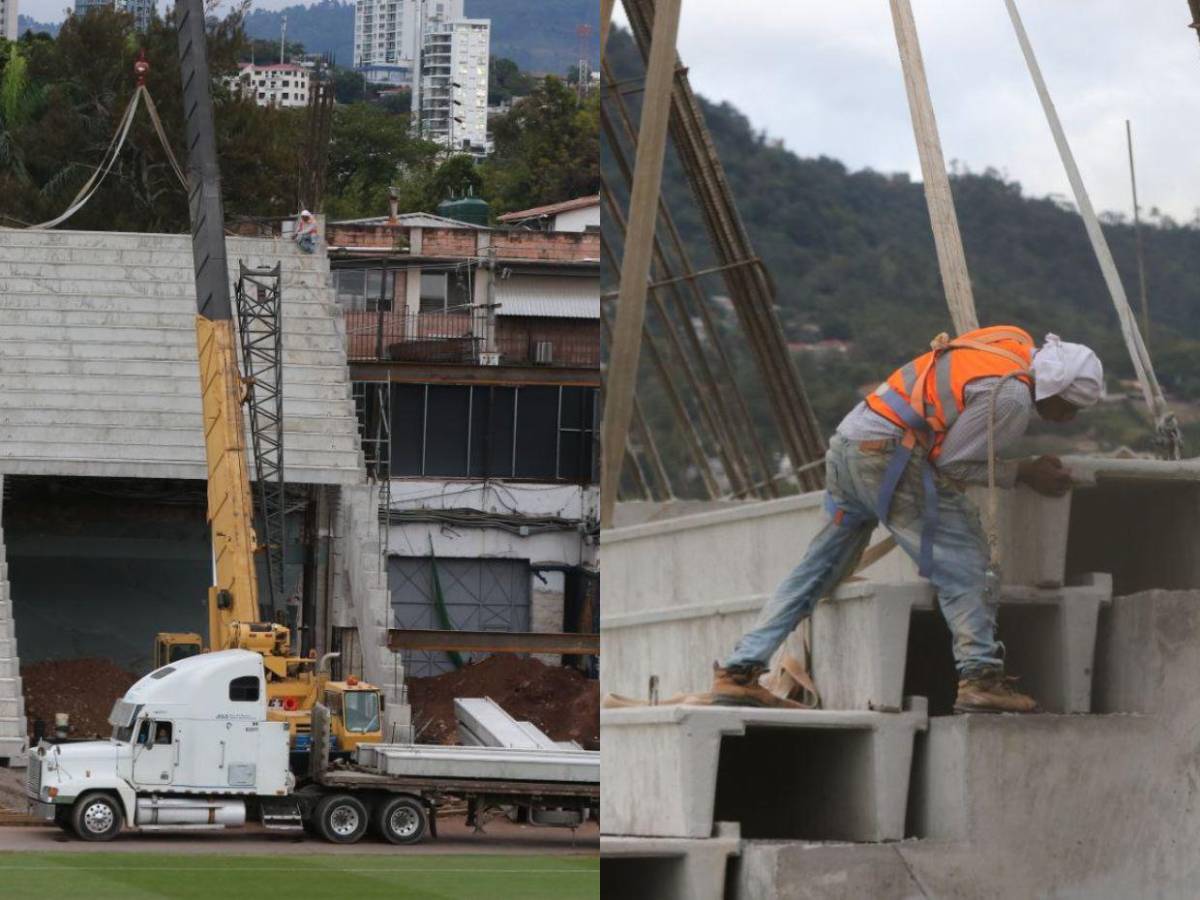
454	837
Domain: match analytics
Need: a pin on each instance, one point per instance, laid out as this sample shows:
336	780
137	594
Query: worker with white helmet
902	457
306	232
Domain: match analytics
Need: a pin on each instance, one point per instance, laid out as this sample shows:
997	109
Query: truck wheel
341	819
96	817
402	820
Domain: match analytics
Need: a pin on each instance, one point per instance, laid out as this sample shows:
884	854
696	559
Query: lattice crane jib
260	327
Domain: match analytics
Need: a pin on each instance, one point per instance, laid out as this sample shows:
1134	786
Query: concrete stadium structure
1101	615
102	452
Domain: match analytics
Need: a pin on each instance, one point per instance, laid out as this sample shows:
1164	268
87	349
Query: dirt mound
562	702
83	688
12	789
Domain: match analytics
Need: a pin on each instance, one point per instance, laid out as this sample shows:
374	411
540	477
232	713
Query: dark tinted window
537	432
407	428
244	689
446	432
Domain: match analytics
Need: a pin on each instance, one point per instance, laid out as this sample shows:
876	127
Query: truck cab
191	743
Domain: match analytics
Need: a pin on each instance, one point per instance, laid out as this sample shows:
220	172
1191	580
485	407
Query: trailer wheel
96	817
402	820
341	819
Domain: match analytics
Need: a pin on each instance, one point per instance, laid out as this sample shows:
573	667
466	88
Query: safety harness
924	428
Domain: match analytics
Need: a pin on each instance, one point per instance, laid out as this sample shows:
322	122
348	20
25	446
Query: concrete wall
98	371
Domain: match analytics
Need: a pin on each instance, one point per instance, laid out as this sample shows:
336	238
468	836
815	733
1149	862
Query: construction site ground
560	701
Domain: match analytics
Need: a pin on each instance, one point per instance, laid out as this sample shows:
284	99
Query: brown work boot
738	686
992	692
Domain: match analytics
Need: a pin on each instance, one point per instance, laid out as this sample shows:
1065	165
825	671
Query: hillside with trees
852	257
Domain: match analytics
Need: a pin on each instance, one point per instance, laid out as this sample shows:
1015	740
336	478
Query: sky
824	77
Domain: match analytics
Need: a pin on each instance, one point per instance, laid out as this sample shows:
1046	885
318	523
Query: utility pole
283	42
1137	239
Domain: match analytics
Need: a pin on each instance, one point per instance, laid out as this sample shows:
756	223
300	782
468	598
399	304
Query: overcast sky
825	78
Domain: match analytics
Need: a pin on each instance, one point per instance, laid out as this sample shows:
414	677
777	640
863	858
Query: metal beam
493	641
635	261
434	373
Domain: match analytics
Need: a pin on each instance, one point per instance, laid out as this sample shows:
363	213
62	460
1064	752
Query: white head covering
305	214
1072	371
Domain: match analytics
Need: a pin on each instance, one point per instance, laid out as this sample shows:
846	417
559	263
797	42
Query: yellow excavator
294	683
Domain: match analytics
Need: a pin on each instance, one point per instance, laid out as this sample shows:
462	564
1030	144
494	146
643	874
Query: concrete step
770	870
867	652
41	418
12	707
12	726
649	868
101	266
167	403
176	319
150	452
148	369
781	774
175	349
135	240
297	303
14	749
61	280
125	336
122	385
191	437
128	464
8	627
10	687
36	252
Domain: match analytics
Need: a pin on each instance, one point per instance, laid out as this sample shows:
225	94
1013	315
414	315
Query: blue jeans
960	559
307	242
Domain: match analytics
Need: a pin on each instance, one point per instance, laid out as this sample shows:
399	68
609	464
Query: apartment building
475	359
8	19
280	84
387	36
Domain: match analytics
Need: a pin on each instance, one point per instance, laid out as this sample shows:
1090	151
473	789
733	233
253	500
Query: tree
547	149
506	81
371	151
458	176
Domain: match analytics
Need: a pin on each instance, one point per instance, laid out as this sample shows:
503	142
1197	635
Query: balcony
459	339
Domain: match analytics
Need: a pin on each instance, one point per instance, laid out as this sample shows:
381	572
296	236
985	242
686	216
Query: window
457	431
348	285
244	689
361	711
163	734
433	292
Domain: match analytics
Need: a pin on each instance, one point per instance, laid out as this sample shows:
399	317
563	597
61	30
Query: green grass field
142	876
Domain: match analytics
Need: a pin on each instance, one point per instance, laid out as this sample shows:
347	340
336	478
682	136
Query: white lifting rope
1170	444
110	157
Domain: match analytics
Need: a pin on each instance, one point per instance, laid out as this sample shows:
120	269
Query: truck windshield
361	711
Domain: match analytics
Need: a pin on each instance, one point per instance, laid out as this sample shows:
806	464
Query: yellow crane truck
294	684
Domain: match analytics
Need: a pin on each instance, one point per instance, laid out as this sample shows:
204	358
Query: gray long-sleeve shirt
964	451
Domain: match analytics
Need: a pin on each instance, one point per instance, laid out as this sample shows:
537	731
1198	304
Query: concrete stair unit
814	774
98	371
653	868
13	727
1094	798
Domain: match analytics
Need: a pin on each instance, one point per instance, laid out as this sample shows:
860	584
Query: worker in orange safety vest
902	458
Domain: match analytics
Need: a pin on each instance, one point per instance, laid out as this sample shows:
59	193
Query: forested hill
852	254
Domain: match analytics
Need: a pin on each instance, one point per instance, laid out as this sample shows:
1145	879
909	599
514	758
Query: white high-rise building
387	35
8	19
450	101
139	9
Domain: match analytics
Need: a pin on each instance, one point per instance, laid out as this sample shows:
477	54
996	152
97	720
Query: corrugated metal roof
550	209
411	220
557	296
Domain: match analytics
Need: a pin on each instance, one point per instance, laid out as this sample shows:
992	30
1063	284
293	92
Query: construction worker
902	457
305	234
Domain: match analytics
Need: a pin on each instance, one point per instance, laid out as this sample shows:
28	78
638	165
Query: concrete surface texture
98	371
1050	805
13	728
652	868
836	774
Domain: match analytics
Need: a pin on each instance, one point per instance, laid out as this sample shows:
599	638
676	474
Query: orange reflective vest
927	395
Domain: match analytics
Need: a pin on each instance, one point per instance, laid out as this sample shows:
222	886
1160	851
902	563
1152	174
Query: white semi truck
192	748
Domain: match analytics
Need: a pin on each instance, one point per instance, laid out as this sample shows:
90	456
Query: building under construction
881	792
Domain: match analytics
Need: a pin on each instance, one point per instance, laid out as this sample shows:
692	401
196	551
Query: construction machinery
294	683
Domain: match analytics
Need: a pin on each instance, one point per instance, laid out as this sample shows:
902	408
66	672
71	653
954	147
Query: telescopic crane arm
234	618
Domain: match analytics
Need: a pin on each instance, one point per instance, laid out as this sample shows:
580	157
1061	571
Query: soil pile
12	789
562	702
85	689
